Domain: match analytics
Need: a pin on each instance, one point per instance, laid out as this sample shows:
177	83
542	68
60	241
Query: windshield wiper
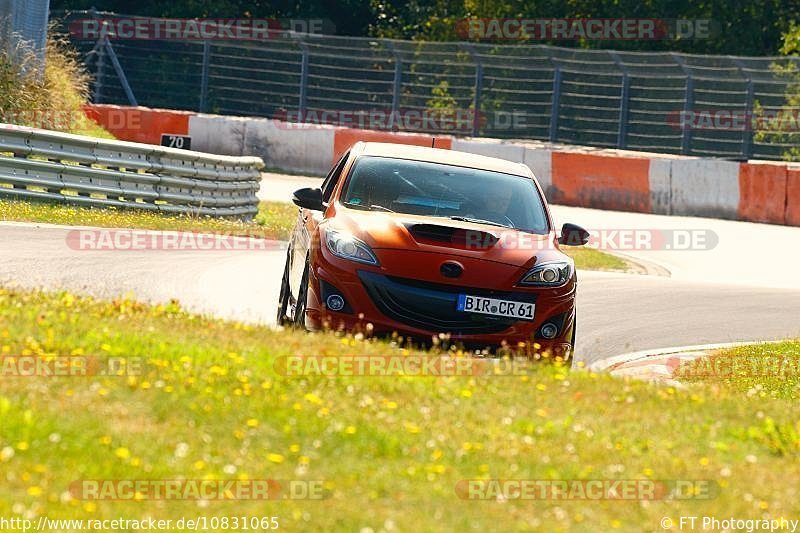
374	207
478	221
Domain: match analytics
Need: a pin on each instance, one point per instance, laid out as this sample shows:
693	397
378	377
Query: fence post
688	105
303	82
624	97
100	50
622	137
555	107
397	86
476	100
749	102
204	76
476	117
123	80
747	134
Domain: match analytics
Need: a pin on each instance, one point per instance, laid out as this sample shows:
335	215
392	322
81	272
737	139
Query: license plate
495	307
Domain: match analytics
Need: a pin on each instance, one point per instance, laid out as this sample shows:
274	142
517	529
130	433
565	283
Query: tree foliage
743	27
783	128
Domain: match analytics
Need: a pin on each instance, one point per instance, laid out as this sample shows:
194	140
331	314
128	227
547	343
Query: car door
307	222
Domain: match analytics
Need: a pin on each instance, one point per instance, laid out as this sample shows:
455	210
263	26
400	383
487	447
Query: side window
333	177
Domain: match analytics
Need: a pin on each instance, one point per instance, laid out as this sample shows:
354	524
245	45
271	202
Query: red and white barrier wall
139	124
757	191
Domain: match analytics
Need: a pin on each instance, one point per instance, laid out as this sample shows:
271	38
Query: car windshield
447	191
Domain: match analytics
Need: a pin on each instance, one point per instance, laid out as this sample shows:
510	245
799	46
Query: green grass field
591	259
274	219
389	451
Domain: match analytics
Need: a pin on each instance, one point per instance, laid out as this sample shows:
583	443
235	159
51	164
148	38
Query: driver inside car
496	202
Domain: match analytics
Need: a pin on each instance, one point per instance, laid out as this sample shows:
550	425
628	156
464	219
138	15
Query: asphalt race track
746	287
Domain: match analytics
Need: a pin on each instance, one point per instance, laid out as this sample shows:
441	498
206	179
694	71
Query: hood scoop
465	239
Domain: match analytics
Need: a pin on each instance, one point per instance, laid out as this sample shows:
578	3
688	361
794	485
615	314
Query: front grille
432	306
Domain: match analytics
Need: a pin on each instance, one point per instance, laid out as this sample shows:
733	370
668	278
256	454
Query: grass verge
591	259
390	451
274	220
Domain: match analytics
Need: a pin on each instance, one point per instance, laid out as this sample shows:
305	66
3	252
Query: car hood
451	237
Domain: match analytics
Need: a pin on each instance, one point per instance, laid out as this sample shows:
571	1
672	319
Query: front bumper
423	309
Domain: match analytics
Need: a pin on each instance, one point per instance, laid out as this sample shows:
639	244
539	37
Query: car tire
283	298
572	340
302	296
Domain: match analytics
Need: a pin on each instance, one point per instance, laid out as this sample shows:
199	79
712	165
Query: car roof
438	155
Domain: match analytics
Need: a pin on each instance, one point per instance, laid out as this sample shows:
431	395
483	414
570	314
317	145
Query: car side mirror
573	235
308	198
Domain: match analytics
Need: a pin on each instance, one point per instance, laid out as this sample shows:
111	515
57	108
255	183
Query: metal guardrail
58	167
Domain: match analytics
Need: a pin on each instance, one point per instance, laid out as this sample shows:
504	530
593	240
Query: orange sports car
422	241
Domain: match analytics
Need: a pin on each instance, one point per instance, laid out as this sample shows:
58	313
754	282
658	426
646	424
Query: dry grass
54	101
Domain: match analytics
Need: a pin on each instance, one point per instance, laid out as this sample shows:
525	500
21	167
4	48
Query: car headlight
550	274
346	246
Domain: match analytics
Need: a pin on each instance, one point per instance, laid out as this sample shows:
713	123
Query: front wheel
571	352
302	296
283	299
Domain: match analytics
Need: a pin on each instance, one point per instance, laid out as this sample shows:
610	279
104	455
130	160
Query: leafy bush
781	128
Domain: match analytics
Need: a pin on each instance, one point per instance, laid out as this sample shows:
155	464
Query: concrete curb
642	266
